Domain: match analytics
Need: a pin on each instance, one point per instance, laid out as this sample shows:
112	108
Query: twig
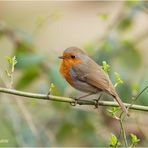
121	118
137	97
123	133
68	100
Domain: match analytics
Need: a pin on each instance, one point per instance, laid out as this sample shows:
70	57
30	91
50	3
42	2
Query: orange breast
65	71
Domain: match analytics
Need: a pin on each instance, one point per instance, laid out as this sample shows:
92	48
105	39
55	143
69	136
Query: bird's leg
97	101
76	99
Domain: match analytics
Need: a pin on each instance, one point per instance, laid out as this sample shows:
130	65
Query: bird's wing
94	76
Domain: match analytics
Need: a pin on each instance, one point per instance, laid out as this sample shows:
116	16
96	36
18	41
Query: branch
68	100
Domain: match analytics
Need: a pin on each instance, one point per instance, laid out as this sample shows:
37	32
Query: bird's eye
72	56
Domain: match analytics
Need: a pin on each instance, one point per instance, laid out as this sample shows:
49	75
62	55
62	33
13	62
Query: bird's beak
61	57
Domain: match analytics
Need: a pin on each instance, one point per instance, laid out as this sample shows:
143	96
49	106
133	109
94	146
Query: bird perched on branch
84	74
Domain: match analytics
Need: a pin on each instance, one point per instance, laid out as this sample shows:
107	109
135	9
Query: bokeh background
37	33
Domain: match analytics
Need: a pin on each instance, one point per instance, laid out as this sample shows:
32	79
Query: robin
84	74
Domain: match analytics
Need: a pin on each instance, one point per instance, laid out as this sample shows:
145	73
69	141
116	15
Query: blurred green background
37	33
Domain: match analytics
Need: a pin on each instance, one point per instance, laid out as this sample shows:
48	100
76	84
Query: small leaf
113	112
9	59
117	79
105	67
114	141
14	61
52	86
134	139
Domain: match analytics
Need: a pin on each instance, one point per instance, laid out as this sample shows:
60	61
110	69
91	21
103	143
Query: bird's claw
74	103
96	103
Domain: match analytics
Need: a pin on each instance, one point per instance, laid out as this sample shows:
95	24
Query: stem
137	97
69	100
121	118
123	132
131	145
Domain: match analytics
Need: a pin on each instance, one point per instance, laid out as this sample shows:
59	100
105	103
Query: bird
85	75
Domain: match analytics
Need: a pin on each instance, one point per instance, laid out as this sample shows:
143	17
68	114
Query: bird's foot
74	103
96	103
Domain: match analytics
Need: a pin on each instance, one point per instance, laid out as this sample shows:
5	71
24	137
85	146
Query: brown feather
87	73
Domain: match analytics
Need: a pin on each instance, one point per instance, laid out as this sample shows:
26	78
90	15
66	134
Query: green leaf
114	141
105	67
117	79
52	86
134	139
14	61
11	61
114	110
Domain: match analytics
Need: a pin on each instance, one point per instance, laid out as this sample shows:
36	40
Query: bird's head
73	55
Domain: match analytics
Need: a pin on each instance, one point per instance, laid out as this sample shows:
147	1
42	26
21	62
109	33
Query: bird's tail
121	104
